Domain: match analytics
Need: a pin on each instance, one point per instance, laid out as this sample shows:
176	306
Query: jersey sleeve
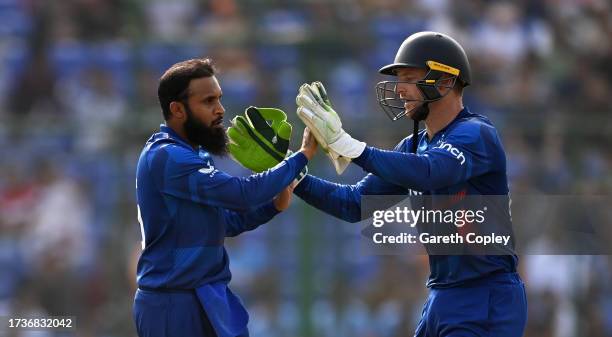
340	200
238	222
183	174
468	151
344	201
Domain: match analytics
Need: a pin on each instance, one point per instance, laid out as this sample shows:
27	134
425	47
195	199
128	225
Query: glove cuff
340	163
347	146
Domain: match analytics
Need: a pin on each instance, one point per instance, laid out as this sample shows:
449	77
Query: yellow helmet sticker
433	65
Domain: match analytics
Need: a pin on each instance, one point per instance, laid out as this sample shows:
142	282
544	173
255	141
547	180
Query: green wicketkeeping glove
257	144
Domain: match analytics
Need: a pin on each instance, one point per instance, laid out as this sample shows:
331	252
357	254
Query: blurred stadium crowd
78	85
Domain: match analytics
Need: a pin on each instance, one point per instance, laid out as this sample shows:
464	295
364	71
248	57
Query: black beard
212	139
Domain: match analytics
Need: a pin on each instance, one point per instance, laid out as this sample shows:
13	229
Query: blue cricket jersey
465	157
187	207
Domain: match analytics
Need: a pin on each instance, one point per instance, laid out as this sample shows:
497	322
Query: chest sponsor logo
453	150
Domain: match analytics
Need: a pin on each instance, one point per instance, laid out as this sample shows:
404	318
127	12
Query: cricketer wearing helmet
187	206
458	153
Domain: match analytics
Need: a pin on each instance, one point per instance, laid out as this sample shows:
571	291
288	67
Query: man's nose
400	90
221	110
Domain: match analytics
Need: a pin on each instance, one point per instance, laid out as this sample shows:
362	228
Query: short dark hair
174	83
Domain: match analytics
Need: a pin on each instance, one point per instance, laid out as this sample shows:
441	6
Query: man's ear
443	83
177	110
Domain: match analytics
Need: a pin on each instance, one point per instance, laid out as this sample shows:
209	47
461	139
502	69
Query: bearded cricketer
187	206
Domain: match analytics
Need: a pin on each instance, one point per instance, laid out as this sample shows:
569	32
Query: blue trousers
495	306
170	314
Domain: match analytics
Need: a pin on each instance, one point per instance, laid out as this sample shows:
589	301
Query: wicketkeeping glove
315	110
259	140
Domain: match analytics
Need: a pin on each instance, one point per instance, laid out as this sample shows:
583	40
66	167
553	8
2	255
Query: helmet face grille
389	99
393	105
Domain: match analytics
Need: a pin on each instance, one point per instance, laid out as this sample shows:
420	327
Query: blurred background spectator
78	81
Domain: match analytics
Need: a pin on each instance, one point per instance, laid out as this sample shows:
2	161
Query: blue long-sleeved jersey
465	157
187	207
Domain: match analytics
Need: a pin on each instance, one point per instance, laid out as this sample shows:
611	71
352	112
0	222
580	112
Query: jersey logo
453	150
207	170
413	193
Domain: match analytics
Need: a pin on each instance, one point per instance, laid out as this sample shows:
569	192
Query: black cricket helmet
446	64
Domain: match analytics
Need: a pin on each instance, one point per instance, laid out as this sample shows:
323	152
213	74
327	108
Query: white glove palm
315	110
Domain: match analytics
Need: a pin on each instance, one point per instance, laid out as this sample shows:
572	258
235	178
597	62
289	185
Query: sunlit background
78	86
